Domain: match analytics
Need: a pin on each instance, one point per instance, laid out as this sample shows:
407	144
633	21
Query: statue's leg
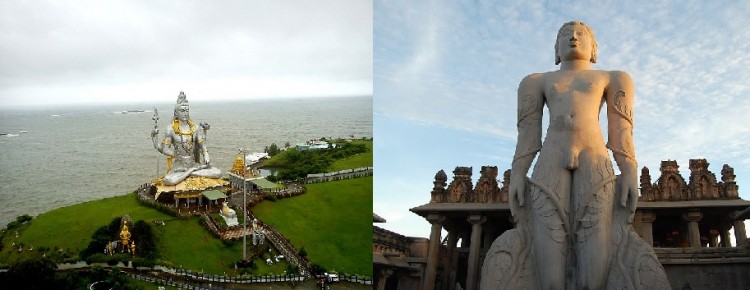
593	196
549	198
173	178
211	172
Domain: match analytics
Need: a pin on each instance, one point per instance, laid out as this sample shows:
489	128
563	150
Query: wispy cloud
457	65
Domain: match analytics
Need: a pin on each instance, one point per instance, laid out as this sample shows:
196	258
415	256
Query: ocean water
58	156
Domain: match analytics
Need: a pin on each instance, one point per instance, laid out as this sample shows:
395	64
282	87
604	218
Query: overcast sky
446	74
134	51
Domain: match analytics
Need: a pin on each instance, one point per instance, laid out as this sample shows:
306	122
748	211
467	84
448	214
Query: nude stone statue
184	146
574	206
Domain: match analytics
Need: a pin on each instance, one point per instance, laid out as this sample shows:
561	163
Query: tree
37	273
272	150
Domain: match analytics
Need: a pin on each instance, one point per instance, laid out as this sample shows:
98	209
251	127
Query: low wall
706	268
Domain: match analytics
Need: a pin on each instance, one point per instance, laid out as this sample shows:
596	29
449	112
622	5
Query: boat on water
131	111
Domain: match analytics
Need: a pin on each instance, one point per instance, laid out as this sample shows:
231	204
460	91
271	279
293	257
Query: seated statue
184	146
229	215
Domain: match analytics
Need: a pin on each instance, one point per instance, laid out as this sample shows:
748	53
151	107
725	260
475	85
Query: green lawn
70	227
332	221
356	161
181	242
187	244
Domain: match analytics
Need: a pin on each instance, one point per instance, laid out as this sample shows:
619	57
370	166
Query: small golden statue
132	247
125	236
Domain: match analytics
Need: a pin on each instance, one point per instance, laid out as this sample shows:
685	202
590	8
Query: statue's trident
153	134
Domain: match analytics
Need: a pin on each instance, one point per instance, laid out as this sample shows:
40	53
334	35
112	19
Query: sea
56	156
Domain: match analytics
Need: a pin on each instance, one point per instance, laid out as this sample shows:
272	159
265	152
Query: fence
339	175
285	247
188	280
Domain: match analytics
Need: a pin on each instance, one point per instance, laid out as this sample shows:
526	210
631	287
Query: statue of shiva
184	145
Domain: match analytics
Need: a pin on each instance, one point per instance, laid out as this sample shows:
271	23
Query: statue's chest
184	142
571	87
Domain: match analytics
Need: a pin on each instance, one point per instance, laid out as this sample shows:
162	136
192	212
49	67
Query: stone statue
184	146
229	215
573	216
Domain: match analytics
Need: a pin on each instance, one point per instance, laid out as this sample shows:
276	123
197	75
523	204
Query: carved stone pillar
692	217
432	252
382	277
448	267
739	233
472	273
647	226
725	226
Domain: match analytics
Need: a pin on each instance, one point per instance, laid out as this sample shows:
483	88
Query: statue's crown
182	99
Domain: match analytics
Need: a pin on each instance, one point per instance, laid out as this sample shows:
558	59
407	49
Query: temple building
242	176
687	222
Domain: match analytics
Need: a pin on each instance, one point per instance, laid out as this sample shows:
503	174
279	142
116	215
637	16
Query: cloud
69	47
689	62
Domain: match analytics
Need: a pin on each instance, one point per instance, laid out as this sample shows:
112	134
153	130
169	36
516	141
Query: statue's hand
516	190
629	189
629	192
154	132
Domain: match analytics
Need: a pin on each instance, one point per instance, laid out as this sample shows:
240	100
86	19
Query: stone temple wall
709	276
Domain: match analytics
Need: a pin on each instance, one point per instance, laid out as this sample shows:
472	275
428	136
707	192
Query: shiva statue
184	146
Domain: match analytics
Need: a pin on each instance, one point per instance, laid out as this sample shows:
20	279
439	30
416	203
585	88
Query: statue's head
182	109
573	29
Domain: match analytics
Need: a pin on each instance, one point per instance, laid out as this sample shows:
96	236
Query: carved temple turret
687	220
701	185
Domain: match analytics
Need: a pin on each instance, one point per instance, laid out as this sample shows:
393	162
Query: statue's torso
574	99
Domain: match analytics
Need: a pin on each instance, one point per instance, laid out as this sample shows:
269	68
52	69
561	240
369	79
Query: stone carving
487	190
702	182
229	215
184	146
438	191
573	216
728	185
671	186
460	189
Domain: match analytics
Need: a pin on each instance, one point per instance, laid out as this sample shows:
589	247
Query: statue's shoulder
618	75
535	77
533	80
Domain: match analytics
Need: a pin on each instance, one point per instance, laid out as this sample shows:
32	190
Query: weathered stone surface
573	216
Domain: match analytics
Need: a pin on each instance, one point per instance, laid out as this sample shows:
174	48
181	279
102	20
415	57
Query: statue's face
575	43
182	113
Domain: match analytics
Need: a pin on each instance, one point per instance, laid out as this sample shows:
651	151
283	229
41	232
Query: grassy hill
332	221
281	160
356	161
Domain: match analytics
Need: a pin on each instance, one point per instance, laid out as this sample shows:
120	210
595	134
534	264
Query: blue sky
446	74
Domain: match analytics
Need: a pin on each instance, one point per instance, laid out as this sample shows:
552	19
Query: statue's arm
620	100
165	146
530	110
203	149
202	143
